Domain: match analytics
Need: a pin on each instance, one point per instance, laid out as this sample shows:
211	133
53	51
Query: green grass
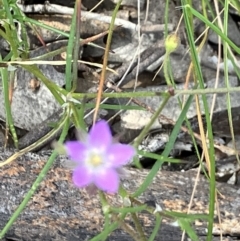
74	108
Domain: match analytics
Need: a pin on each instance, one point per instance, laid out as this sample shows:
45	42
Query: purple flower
98	159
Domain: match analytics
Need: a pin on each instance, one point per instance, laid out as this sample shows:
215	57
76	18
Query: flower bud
171	42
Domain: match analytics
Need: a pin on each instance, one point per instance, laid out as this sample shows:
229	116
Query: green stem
69	57
151	122
11	30
166	19
156	227
9	118
138	226
165	69
107	231
76	45
8	105
155	93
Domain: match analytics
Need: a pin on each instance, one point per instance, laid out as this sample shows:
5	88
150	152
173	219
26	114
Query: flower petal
100	135
76	150
107	180
120	154
81	177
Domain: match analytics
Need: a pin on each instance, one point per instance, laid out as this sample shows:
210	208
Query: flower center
95	160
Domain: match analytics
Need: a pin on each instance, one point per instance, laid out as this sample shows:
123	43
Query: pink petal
81	177
100	135
76	150
107	180
120	154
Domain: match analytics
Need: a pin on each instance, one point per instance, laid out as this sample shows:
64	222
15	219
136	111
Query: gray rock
233	32
31	107
137	119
